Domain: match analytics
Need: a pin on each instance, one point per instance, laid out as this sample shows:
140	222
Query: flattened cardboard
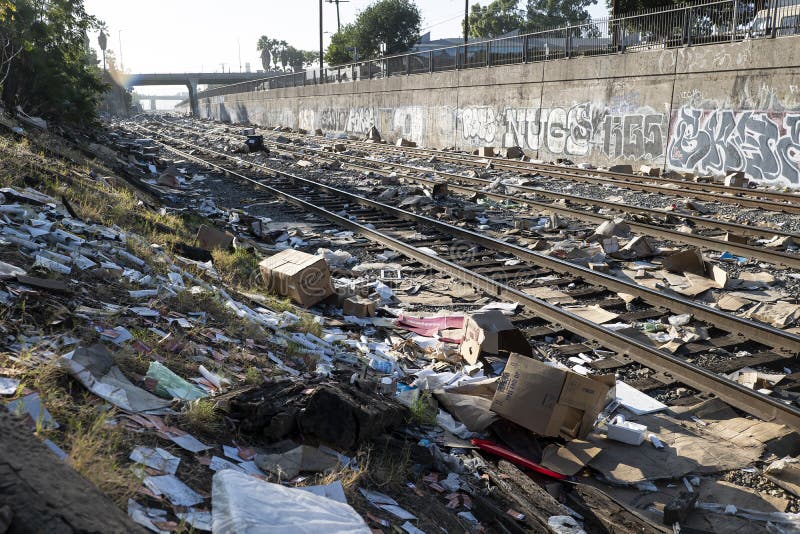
569	459
303	277
729	302
550	401
593	313
209	238
687	261
491	332
359	307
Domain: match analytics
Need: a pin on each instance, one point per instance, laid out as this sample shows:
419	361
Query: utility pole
466	22
119	40
320	40
338	21
102	41
239	45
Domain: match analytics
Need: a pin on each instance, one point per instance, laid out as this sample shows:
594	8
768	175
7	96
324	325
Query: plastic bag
242	504
171	385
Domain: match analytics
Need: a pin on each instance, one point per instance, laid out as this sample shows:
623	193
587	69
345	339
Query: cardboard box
621	169
647	170
486	151
405	142
209	238
491	332
359	307
686	261
736	179
734	238
304	278
550	401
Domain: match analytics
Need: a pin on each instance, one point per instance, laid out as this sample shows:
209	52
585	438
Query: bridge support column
152	104
194	103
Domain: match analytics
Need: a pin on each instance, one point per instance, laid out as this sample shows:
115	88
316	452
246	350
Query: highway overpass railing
692	24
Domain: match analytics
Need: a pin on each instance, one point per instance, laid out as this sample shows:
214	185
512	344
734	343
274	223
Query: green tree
542	14
294	58
54	74
393	22
342	45
633	6
310	57
495	19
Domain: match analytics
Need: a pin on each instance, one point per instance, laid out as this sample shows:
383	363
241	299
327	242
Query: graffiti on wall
354	120
765	145
305	119
409	122
634	135
558	130
579	129
479	124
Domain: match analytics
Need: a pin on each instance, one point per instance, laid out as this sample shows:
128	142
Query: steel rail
762	333
760	253
705	222
745	399
622	179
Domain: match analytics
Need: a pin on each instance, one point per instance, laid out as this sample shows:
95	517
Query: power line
460	15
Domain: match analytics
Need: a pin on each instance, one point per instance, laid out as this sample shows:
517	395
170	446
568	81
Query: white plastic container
619	429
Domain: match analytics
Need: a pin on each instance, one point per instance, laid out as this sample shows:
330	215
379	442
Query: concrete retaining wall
706	109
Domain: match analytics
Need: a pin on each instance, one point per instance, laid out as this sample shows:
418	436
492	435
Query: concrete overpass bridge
190	80
153	98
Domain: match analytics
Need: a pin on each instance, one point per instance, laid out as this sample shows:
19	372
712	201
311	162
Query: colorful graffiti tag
765	145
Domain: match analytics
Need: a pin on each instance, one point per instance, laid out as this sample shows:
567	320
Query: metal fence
685	25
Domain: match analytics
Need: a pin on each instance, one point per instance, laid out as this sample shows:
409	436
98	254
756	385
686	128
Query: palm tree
266	46
281	53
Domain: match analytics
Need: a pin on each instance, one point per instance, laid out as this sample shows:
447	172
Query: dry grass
238	268
202	416
95	452
350	476
308	324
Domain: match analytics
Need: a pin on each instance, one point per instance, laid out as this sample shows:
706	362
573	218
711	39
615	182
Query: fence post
623	34
685	26
735	21
567	45
524	48
774	32
430	62
488	47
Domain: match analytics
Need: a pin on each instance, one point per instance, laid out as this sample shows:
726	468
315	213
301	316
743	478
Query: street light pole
119	40
338	20
320	40
466	22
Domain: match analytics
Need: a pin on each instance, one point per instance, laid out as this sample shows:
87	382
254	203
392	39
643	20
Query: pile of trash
379	400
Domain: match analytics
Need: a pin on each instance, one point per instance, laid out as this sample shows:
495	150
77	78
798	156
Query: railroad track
758	198
454	182
480	268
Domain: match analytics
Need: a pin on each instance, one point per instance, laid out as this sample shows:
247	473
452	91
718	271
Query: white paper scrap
173	489
636	401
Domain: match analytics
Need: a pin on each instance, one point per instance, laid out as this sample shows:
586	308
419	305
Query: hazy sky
201	35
